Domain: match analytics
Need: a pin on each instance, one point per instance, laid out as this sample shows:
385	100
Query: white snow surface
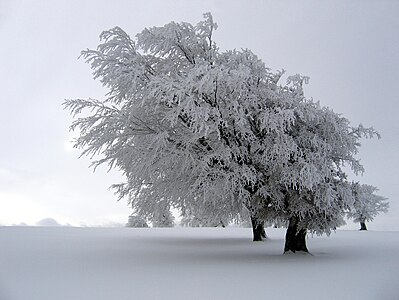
48	263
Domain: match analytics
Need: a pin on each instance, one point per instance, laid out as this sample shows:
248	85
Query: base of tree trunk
258	230
363	226
295	239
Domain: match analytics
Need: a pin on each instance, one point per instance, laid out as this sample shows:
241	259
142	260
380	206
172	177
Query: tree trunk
363	226
258	229
295	238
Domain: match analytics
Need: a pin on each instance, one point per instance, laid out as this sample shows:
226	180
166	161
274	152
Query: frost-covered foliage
194	221
367	204
211	132
136	222
162	216
205	216
326	142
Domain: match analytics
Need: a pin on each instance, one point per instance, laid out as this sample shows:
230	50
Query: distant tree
205	216
211	132
194	221
326	142
162	216
136	222
367	204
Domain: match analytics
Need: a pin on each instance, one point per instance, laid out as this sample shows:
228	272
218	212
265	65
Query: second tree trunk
295	238
363	226
258	229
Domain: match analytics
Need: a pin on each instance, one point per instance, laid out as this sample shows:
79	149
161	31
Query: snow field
48	263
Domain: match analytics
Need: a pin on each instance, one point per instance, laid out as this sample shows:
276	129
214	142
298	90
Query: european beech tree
214	133
367	204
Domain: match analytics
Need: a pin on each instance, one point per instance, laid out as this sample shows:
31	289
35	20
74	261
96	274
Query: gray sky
350	50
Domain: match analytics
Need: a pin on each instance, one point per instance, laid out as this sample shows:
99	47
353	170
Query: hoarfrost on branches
214	134
136	222
367	204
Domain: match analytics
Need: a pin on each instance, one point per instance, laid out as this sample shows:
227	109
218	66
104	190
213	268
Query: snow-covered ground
65	263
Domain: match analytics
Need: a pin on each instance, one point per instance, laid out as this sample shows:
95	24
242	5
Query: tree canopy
367	204
214	133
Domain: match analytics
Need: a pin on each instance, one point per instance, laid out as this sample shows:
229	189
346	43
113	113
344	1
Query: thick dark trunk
295	238
258	229
363	226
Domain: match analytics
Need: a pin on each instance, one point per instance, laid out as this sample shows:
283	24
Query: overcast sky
350	50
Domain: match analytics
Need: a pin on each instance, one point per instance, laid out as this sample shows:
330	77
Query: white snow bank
63	263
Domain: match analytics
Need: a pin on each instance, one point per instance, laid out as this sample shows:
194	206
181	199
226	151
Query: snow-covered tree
181	120
211	214
212	132
162	216
194	221
136	222
326	142
367	204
